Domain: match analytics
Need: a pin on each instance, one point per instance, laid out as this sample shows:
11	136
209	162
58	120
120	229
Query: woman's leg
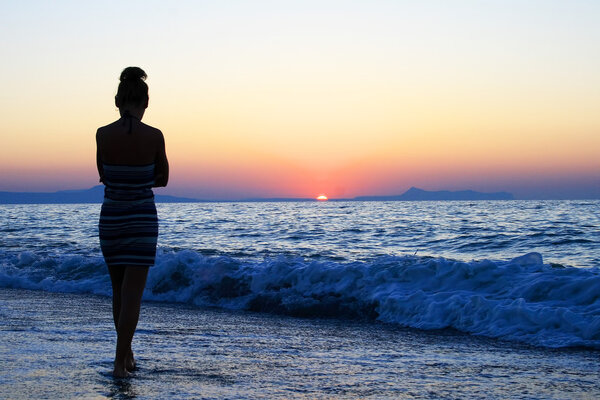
117	275
131	290
116	278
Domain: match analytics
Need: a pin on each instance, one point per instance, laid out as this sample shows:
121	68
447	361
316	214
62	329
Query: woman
131	159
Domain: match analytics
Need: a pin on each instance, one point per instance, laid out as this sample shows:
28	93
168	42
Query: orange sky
302	98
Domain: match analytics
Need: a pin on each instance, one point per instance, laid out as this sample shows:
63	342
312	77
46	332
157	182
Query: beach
335	200
56	345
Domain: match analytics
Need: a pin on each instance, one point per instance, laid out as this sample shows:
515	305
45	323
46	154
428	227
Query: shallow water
60	346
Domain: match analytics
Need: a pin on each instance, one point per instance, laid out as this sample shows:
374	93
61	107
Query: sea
333	299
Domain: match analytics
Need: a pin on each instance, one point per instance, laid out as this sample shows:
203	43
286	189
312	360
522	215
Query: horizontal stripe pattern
128	182
128	224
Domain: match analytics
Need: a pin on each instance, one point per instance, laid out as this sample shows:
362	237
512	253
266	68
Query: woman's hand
159	180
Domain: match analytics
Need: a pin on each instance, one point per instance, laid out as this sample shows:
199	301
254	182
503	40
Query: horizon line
408	195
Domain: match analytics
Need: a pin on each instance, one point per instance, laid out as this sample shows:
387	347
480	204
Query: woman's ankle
120	371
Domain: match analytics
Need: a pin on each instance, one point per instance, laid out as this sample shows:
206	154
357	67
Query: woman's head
132	91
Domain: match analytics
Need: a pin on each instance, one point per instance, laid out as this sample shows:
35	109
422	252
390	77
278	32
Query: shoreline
60	345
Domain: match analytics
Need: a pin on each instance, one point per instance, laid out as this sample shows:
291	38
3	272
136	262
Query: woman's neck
132	112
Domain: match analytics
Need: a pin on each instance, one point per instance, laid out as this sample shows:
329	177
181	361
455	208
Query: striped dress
128	222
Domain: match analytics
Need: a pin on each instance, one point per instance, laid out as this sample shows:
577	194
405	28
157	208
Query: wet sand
55	345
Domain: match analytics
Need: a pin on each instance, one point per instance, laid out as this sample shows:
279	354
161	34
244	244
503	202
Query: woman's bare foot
130	362
120	372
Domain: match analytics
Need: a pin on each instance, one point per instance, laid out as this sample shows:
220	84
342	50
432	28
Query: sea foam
522	299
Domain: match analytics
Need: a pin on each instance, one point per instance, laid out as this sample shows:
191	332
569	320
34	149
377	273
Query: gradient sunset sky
301	98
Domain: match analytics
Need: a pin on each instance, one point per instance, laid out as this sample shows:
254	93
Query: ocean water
496	299
524	271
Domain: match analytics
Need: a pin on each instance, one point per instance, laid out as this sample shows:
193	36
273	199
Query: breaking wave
522	299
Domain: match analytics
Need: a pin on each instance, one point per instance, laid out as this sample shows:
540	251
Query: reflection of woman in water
131	160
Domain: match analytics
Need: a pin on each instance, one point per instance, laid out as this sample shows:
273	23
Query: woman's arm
161	176
99	158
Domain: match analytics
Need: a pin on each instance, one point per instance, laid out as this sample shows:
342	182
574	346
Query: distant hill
92	195
416	194
96	194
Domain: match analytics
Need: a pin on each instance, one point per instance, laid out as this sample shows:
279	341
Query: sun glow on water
322	197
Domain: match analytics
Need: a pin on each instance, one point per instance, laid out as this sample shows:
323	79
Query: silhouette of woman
131	160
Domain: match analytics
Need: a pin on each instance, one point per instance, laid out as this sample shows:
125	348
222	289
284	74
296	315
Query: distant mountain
96	193
92	195
416	194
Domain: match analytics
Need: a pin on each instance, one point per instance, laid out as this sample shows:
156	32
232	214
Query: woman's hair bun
133	89
133	73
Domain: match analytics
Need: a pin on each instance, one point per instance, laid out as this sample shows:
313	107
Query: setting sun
322	197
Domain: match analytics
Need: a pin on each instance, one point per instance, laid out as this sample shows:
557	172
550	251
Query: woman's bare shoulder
152	129
155	133
107	128
114	129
